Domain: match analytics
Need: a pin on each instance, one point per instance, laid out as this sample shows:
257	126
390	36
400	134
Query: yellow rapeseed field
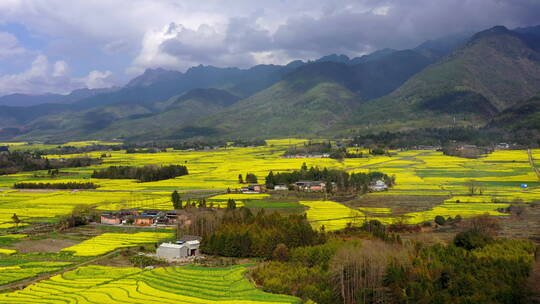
108	242
168	285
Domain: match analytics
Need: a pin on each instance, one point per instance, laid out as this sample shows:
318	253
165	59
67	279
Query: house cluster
431	148
187	246
310	186
149	217
259	188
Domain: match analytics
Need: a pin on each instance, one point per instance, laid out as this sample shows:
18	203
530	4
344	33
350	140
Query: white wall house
379	186
176	251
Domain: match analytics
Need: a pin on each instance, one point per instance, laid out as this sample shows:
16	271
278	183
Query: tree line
343	181
13	162
143	174
67	185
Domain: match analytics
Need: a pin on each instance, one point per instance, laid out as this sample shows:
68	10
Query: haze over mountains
476	79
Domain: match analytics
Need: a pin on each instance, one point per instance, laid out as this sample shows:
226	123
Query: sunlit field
9	274
189	284
497	178
108	242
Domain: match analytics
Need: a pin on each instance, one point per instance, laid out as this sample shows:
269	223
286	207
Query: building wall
110	221
170	253
143	222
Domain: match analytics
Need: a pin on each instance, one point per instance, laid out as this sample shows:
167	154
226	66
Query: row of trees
344	181
143	174
67	185
13	162
200	203
250	179
310	148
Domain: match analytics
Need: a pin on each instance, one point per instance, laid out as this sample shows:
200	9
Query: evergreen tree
240	179
251	178
176	200
231	204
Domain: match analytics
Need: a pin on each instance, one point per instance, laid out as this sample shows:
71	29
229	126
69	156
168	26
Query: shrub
471	240
439	219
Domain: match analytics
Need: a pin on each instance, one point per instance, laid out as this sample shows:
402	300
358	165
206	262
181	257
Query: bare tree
358	272
485	224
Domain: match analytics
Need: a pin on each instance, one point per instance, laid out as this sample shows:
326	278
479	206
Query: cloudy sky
58	45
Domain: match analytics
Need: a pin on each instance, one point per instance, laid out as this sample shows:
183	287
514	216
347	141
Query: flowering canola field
189	284
10	274
108	242
336	216
499	176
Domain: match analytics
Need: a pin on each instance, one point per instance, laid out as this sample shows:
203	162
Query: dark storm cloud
399	24
127	36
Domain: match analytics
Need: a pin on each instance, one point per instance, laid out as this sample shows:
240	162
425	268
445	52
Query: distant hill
458	80
24	100
523	116
314	97
127	119
493	71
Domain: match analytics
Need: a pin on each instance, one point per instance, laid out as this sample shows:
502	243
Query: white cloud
61	69
98	79
9	46
131	35
44	77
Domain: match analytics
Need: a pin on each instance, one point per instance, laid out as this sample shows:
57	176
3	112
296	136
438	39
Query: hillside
128	119
493	71
524	116
462	79
313	98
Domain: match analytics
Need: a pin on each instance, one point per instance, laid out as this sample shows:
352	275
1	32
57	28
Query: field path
23	283
388	161
531	161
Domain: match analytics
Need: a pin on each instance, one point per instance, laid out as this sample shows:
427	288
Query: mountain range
489	78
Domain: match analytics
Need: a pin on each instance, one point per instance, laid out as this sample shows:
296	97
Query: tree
471	240
472	185
15	219
201	203
251	178
231	204
485	224
281	253
439	219
176	200
240	179
270	180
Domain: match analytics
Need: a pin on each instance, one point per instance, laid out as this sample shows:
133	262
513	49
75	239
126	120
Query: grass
189	284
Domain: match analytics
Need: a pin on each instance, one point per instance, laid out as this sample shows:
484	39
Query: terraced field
108	242
10	274
189	284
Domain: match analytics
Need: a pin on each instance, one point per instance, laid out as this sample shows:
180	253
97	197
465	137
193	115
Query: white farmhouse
179	250
378	186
